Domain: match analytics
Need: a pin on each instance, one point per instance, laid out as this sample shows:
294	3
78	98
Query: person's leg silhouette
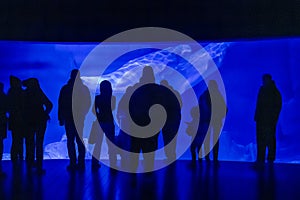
193	151
40	147
71	134
30	147
261	146
81	152
271	144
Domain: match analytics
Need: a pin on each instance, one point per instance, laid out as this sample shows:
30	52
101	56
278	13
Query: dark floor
182	180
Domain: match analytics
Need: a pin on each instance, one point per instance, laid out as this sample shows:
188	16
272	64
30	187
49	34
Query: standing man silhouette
171	128
37	108
66	113
217	111
124	139
139	106
3	122
268	107
203	120
147	94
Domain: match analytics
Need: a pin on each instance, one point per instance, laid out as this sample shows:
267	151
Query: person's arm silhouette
113	103
47	103
258	106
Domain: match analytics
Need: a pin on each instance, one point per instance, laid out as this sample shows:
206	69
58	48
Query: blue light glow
241	65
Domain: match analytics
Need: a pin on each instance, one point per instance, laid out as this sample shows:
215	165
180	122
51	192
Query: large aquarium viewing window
240	63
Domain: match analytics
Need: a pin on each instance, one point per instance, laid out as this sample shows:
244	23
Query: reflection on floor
181	180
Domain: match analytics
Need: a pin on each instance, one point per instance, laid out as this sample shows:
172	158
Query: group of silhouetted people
137	99
209	123
268	107
25	113
28	110
135	105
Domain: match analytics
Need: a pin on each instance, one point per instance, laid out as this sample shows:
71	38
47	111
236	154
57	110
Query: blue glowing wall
240	63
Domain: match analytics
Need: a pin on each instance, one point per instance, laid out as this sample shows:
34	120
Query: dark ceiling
95	20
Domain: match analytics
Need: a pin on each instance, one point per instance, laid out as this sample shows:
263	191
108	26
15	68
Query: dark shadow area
231	180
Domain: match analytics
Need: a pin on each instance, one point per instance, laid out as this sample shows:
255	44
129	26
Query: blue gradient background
241	68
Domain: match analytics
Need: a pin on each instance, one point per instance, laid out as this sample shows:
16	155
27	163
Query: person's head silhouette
74	74
15	82
31	83
194	112
129	89
267	79
105	88
148	75
164	83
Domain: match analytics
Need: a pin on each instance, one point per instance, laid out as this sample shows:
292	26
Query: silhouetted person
146	93
37	107
123	117
170	129
104	104
3	122
217	110
65	116
16	118
203	123
141	97
268	107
